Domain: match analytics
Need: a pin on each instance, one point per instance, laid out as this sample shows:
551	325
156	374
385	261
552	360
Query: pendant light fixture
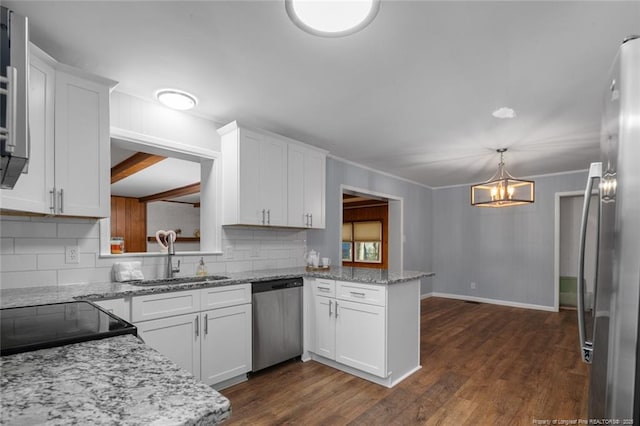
502	190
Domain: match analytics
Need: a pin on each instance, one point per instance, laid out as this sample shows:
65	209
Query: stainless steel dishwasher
277	321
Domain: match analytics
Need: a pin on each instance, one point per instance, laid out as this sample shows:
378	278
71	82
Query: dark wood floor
481	365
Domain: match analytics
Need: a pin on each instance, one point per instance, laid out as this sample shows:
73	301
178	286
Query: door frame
396	224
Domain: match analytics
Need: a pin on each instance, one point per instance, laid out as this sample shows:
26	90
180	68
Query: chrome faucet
170	253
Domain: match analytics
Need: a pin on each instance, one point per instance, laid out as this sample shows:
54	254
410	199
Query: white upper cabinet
254	168
68	171
269	180
31	192
306	169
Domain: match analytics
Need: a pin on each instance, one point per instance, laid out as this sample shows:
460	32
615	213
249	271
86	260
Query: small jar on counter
117	245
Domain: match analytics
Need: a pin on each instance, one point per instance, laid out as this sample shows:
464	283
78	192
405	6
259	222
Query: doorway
569	207
372	230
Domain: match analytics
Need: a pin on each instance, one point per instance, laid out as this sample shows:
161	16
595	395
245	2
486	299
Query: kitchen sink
179	280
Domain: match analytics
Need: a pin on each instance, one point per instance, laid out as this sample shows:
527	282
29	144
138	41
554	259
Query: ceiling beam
194	188
135	163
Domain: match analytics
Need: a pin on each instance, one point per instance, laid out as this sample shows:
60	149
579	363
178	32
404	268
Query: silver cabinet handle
263	211
330	303
306	220
268	216
53	197
197	325
336	309
586	347
206	324
310	220
62	201
355	293
324	288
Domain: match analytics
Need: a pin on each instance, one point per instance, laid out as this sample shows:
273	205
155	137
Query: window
362	242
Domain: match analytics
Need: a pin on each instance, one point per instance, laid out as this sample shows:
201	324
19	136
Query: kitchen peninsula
73	385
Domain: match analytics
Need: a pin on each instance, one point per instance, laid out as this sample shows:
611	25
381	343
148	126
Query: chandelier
502	190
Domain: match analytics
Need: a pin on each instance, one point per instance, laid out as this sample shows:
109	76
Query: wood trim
178	239
132	165
194	188
129	220
367	214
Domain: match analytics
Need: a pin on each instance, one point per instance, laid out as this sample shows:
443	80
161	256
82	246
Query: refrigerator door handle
586	347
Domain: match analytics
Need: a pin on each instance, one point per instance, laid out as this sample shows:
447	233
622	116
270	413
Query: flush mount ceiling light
332	18
176	99
502	190
504	112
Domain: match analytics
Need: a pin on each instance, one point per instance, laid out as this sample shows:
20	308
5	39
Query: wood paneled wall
364	214
129	220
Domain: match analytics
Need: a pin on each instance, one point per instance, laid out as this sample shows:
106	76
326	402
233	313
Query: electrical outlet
473	286
71	254
228	252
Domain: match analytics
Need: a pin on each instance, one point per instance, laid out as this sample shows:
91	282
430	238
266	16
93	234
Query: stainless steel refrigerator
609	331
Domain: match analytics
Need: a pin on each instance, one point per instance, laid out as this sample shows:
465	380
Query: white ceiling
168	174
412	94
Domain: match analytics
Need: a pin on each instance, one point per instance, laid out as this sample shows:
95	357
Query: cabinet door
226	343
31	192
324	327
273	180
314	188
306	185
177	338
250	163
82	158
360	337
296	213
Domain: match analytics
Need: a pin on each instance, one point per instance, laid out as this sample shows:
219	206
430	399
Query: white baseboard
490	301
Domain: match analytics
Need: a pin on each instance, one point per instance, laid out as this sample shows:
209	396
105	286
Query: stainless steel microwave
14	99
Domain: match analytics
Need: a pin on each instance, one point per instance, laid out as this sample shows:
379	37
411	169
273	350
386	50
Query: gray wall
417	214
508	253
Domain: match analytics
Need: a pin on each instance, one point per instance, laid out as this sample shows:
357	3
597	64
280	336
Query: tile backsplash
33	252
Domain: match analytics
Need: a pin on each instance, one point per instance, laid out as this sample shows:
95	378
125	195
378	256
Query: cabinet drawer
160	305
119	307
322	287
221	297
363	293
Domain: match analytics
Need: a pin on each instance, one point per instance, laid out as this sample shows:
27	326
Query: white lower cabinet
350	333
372	331
213	344
119	307
226	343
324	327
360	337
177	338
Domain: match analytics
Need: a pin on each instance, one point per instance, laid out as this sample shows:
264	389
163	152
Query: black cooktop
29	328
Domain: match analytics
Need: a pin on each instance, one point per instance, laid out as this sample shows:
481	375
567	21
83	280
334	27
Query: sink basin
179	280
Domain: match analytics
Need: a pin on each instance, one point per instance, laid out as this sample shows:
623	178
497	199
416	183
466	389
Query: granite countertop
95	291
118	380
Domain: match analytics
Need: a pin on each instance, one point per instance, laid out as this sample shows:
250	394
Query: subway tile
239	266
89	245
11	218
78	230
262	264
57	261
237	234
278	254
28	279
17	262
26	229
84	275
6	246
42	245
285	263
